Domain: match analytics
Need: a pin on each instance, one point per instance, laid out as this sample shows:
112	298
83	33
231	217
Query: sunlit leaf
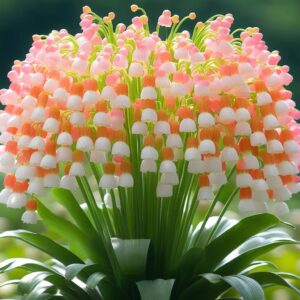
131	255
44	244
275	279
158	289
67	199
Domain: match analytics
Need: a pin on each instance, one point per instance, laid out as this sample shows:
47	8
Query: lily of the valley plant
128	132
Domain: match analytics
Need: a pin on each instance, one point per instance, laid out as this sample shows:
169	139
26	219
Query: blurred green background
278	20
19	19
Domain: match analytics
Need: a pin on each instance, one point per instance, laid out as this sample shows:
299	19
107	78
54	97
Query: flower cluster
128	102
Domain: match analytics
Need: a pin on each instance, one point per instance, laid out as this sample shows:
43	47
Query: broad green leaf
131	255
275	279
37	295
239	259
75	270
260	264
30	281
211	277
208	284
289	275
94	280
80	242
247	287
67	199
220	247
44	244
224	225
34	284
39	292
46	273
67	230
25	263
9	282
68	287
44	281
265	237
223	245
109	290
188	262
158	289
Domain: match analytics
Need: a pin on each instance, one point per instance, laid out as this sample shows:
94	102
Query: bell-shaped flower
148	165
205	190
108	180
68	182
91	95
246	203
164	190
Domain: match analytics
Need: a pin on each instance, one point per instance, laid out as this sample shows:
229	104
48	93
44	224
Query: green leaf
158	289
131	255
80	243
94	280
247	287
289	275
46	273
259	264
68	287
34	285
227	240
25	263
224	225
9	282
67	230
274	279
109	290
67	199
75	270
189	261
220	247
260	244
44	244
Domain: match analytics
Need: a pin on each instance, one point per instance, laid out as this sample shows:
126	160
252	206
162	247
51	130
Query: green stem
188	215
176	27
116	217
100	226
104	209
211	208
225	207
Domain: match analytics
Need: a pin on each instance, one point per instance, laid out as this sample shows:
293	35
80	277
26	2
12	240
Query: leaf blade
272	278
44	244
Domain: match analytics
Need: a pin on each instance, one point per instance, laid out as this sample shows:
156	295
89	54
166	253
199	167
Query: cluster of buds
131	103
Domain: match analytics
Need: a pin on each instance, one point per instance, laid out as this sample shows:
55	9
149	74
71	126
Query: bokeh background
278	20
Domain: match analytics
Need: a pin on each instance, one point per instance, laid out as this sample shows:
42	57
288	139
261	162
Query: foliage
200	267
